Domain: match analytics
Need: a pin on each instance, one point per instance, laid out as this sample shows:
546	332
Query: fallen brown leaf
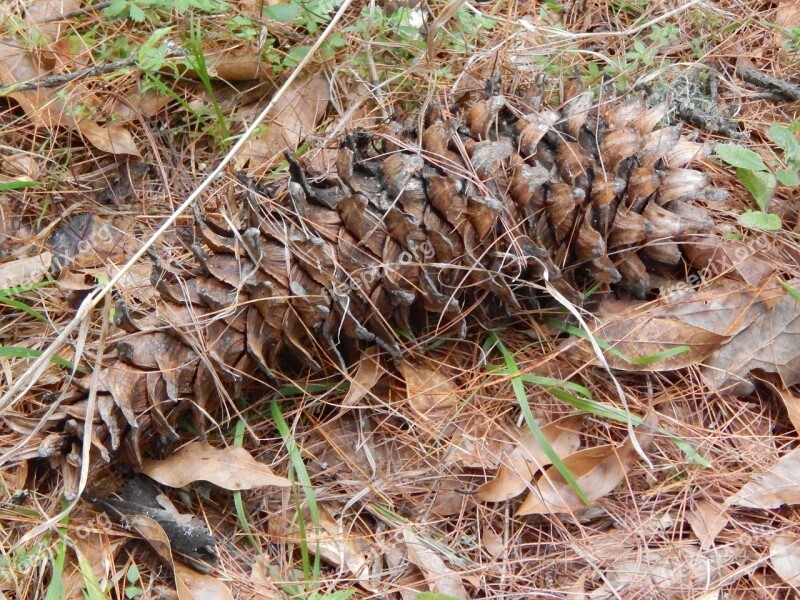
440	578
790	400
335	544
597	470
707	520
47	106
368	373
779	485
768	341
24	271
637	331
520	464
38	12
784	554
189	584
732	259
232	468
192	585
296	115
430	393
114	139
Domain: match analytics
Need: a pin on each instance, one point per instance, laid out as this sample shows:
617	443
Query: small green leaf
741	157
788	178
760	185
132	592
759	220
285	12
295	55
133	574
337	40
136	13
784	138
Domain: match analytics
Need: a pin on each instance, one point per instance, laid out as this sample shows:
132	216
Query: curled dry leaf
520	464
295	116
597	470
189	584
97	552
778	486
238	65
192	585
440	578
114	139
368	373
784	554
232	468
790	400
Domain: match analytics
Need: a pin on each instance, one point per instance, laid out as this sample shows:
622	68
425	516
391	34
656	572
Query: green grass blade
518	386
299	469
640	360
9	186
24	308
17	352
238	503
21	289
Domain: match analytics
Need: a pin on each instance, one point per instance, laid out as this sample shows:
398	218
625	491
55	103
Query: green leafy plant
762	179
140	11
132	577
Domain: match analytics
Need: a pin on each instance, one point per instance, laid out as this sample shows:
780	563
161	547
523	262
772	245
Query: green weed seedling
762	179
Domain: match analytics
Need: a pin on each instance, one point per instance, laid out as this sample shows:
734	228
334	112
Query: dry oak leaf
732	259
769	342
296	115
597	470
784	554
778	486
707	520
232	468
519	465
637	330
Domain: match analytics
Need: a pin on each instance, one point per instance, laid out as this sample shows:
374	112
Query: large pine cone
415	229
